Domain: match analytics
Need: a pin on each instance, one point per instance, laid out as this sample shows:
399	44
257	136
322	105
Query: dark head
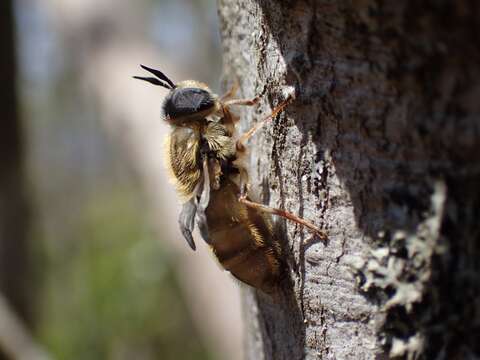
187	101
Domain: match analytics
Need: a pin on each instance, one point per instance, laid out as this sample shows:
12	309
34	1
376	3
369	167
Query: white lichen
408	277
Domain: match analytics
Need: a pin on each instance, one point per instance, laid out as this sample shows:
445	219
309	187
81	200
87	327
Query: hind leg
244	178
285	214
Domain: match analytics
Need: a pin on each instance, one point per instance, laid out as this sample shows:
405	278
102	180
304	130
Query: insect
205	153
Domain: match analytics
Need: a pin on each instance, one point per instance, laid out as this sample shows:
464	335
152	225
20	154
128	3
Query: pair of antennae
166	83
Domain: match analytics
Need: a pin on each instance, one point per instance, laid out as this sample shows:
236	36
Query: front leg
229	119
244	102
231	92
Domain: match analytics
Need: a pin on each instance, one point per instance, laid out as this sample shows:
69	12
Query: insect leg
246	136
231	92
285	214
244	102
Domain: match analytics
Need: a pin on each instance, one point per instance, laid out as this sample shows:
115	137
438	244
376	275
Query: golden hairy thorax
183	152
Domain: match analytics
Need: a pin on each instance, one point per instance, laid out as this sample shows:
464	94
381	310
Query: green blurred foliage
116	295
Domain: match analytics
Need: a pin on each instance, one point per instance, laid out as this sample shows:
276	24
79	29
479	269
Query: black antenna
153	81
159	75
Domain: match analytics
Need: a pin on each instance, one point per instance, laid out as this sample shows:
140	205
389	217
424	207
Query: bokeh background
92	263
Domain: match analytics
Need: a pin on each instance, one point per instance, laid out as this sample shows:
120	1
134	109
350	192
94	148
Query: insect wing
186	221
203	204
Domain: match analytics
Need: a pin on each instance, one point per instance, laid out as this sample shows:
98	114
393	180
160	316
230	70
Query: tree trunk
15	275
14	212
380	148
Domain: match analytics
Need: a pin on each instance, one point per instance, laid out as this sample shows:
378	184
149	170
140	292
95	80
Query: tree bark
14	209
15	274
380	148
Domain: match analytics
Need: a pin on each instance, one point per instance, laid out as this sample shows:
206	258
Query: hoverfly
204	153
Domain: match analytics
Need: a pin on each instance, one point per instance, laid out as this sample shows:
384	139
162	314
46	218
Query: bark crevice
381	149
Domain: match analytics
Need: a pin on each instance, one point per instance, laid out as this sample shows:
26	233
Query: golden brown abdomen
242	239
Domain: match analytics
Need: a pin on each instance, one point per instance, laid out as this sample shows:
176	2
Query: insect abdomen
242	239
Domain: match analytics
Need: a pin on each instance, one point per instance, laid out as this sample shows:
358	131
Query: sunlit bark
381	149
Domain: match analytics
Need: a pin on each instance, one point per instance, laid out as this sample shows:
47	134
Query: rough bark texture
381	148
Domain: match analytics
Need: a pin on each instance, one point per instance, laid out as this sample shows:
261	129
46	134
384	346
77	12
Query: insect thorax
187	148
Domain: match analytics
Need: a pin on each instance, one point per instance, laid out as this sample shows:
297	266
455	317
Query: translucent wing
195	209
203	204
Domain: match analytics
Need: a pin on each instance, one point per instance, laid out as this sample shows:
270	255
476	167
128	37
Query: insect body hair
207	165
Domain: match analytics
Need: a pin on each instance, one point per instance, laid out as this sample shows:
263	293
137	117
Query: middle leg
244	178
247	135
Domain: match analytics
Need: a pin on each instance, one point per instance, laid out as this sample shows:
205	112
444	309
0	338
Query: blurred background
92	265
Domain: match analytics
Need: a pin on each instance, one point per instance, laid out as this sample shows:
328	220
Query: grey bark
381	148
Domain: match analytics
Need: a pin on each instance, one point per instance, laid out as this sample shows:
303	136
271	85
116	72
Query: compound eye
187	101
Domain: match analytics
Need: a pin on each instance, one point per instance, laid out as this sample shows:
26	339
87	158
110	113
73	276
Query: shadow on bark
389	92
283	338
